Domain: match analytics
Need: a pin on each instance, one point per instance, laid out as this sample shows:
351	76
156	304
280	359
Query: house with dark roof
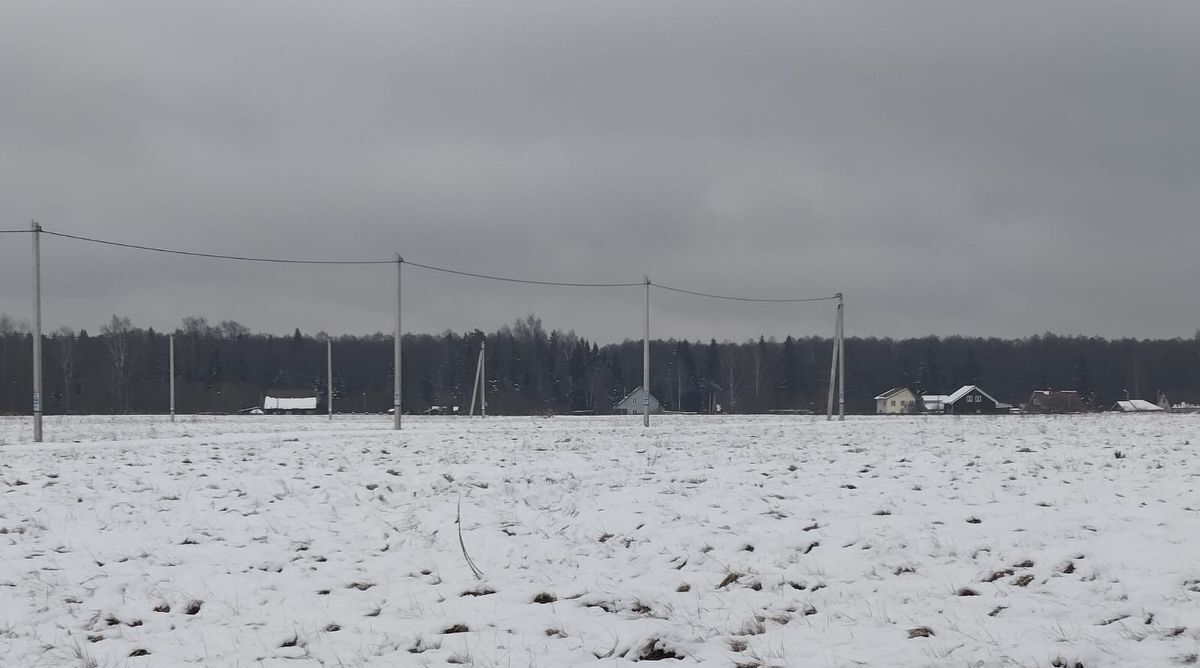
973	400
1055	401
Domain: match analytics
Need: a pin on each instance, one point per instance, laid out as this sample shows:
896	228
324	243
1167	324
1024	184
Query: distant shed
1136	406
289	403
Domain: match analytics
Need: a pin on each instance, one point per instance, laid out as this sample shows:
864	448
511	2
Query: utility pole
646	360
841	358
475	383
37	331
479	387
329	377
171	340
396	351
833	363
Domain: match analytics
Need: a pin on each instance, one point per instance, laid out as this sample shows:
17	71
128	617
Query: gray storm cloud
999	169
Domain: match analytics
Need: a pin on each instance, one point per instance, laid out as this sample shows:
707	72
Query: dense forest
121	368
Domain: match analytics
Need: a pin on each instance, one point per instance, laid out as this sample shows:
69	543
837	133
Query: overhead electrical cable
429	267
215	256
746	299
508	279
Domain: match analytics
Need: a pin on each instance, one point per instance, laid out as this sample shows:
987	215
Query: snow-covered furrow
735	541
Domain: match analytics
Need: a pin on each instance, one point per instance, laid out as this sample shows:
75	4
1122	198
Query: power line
429	267
216	256
15	231
508	279
746	299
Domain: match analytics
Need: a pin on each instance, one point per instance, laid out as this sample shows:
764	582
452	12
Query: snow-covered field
765	541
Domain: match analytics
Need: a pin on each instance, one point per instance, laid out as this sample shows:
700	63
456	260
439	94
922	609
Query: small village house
898	401
972	400
1055	401
633	403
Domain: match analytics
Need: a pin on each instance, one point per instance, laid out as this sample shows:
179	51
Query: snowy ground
774	541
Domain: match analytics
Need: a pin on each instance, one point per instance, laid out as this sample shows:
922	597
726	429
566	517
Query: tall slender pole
396	351
329	377
475	383
646	360
171	382
841	358
37	331
483	378
833	366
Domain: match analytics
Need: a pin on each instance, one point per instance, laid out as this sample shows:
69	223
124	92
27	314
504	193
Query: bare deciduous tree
118	334
732	365
67	344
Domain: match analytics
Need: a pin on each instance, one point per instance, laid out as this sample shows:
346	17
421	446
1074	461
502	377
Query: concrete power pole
483	378
841	358
646	360
833	362
171	340
396	351
475	383
329	377
37	331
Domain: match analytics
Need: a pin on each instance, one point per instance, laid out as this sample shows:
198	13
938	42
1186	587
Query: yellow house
898	401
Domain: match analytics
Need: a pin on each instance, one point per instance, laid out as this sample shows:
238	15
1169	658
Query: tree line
224	367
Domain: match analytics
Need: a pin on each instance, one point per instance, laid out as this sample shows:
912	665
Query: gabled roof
636	392
1136	406
967	389
894	391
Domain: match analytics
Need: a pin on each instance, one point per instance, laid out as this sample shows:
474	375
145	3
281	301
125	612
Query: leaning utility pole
479	387
37	331
841	318
396	350
329	377
171	339
833	361
646	360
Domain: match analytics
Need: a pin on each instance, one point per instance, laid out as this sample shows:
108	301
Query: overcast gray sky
998	169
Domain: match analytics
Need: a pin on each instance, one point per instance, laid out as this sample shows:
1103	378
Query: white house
633	403
897	401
